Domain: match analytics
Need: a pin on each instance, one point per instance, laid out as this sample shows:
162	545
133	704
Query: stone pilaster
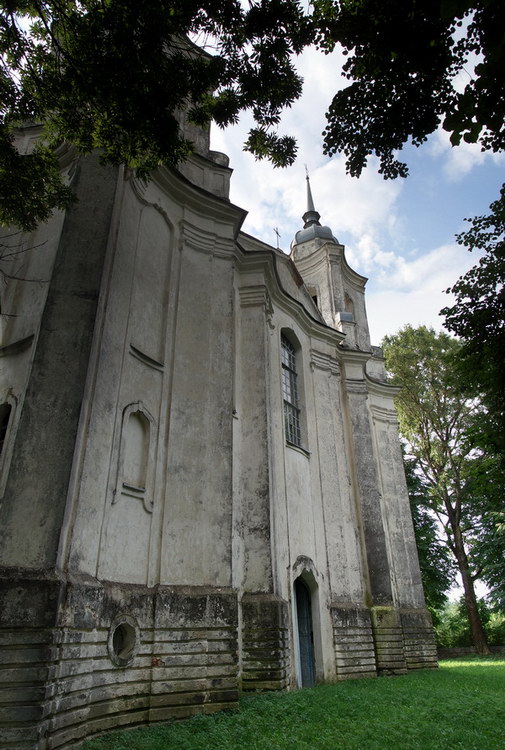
252	504
354	643
388	637
33	507
367	480
265	642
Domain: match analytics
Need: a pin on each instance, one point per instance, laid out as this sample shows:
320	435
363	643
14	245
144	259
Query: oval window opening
123	642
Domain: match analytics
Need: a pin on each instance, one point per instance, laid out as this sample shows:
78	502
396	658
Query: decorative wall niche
136	458
349	306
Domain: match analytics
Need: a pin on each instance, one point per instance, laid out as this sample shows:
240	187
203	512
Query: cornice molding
381	388
202	241
323	361
196	199
356	386
253	296
265	263
353	356
384	415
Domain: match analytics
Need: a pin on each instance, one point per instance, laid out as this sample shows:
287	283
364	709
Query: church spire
312	229
310	216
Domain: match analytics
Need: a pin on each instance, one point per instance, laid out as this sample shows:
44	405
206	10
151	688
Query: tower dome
312	228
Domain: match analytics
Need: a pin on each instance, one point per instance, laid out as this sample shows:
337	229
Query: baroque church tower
202	489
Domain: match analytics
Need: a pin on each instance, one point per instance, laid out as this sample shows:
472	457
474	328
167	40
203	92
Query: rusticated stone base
382	640
27	658
388	637
354	644
419	639
28	648
79	659
265	643
116	656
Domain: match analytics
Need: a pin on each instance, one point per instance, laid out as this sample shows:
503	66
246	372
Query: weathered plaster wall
170	515
48	423
28	265
176	287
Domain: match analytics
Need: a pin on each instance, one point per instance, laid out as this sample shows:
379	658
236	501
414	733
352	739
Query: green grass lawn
460	705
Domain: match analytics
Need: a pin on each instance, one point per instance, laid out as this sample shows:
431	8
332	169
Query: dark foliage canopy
114	74
478	317
437	568
403	57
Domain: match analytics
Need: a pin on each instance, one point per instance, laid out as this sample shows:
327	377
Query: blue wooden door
305	633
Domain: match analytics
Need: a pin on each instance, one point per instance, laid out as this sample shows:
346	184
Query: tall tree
435	418
485	525
437	567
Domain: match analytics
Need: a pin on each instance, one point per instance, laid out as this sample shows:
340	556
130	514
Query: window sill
298	448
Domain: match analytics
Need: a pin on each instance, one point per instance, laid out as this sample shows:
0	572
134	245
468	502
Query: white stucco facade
164	545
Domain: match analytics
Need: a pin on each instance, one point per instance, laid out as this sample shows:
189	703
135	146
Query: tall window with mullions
290	392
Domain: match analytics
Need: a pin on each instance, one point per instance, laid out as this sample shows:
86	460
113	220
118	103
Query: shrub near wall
457	651
453	630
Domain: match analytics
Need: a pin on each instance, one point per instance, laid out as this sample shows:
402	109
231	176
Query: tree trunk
477	631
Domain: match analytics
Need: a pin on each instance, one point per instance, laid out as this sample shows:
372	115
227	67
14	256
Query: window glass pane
287	387
290	392
292	424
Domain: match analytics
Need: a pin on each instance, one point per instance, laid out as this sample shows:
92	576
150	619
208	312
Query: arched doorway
305	634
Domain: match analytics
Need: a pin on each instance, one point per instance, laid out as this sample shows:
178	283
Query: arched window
290	392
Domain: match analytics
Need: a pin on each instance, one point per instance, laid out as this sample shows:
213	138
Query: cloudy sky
400	234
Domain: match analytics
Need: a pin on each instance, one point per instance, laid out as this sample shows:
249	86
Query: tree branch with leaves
113	74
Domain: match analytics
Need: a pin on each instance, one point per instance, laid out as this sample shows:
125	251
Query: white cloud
414	293
429	269
276	197
458	161
354	206
364	214
360	212
390	311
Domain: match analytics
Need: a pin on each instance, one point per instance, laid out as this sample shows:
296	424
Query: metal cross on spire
276	230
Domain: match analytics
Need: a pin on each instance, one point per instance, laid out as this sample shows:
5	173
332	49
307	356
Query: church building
201	482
